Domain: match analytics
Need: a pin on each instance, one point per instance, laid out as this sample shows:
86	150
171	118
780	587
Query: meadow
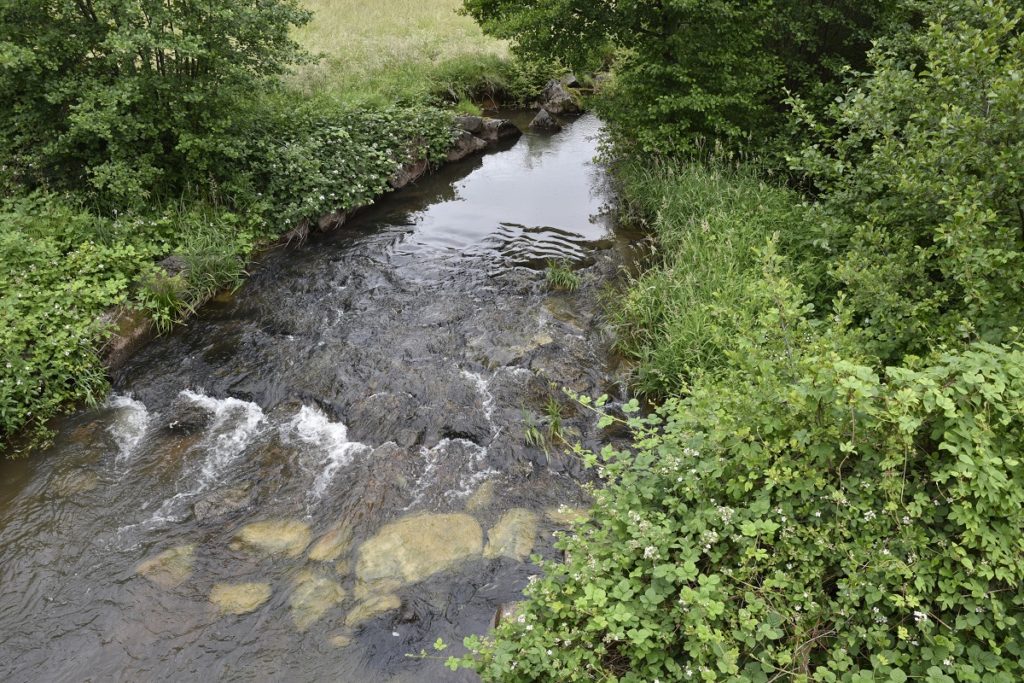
379	53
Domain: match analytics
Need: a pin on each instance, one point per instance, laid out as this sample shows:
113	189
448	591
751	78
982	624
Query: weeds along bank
831	486
148	149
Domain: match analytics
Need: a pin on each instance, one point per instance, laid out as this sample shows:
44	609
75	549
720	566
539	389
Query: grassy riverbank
830	486
102	221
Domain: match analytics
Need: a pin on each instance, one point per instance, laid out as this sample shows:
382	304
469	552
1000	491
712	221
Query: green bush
57	283
303	160
801	515
832	489
925	161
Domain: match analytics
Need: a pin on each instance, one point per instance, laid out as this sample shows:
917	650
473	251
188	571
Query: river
324	472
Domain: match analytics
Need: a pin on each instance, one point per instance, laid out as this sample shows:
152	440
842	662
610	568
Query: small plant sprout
560	276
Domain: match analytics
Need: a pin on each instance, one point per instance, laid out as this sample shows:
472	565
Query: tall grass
710	222
383	51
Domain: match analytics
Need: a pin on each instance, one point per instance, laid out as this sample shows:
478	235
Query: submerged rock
340	640
372	607
223	502
416	547
312	596
545	122
76	482
513	535
239	598
171	568
332	544
482	498
566	516
187	417
276	537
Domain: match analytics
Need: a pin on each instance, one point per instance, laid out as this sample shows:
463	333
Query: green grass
399	50
560	276
710	221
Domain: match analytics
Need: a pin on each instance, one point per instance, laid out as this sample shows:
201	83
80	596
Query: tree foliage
925	160
129	96
687	68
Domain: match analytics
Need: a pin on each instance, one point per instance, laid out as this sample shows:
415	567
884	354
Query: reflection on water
327	471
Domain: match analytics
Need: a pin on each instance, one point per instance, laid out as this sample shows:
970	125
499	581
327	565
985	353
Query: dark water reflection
384	372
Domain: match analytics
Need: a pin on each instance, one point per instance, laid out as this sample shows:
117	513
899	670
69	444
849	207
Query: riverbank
828	488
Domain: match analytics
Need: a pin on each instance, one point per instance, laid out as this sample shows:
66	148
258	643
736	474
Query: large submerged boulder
513	535
416	547
332	544
312	596
372	607
239	598
274	537
223	502
171	568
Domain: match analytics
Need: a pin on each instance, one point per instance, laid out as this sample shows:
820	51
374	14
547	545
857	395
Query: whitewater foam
130	424
235	424
311	426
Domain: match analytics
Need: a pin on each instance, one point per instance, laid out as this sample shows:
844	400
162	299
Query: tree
689	68
925	161
122	95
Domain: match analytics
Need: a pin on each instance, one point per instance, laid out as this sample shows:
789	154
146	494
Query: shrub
801	515
57	282
925	160
304	160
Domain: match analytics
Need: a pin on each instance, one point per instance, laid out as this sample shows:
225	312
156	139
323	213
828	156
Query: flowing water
328	470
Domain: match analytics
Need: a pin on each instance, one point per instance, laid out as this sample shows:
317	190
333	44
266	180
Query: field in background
381	51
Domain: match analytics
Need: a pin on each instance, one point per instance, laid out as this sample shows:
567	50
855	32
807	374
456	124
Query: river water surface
328	470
